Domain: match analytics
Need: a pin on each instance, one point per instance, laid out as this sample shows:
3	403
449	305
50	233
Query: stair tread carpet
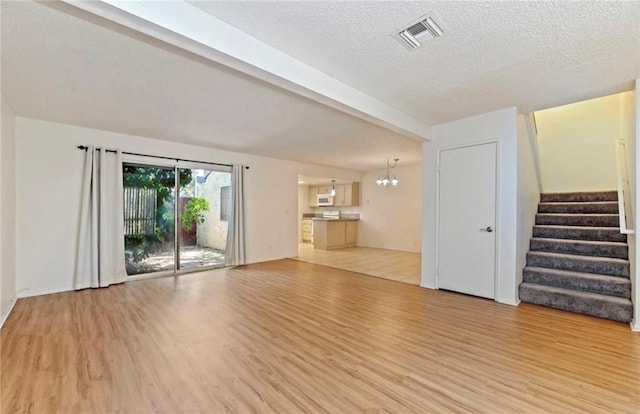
582	247
588	219
579	233
588	264
587	282
604	306
595	207
580	196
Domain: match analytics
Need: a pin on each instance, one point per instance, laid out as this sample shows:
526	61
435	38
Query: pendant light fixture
333	188
388	179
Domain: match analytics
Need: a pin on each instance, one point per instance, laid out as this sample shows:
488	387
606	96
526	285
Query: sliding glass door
174	218
203	211
149	218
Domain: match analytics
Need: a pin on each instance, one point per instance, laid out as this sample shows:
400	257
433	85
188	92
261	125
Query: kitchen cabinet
313	196
339	198
346	194
307	230
334	234
351	233
325	189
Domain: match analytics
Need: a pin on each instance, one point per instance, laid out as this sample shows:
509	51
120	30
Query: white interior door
467	215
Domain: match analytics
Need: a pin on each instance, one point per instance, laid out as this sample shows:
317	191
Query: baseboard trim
635	326
28	293
509	302
6	312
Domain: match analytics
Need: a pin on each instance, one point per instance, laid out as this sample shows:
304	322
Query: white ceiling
494	54
63	65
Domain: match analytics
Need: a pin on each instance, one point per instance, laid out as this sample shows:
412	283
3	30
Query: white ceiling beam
187	27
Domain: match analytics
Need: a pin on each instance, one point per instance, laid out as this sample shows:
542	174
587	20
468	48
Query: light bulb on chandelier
387	179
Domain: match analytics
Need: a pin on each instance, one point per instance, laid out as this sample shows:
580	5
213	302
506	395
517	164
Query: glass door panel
204	206
149	218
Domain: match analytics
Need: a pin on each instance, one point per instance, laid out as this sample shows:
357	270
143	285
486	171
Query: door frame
176	165
496	272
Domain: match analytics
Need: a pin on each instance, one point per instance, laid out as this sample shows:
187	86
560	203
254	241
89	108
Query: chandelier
388	179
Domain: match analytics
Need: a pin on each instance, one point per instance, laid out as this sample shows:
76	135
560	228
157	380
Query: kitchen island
334	233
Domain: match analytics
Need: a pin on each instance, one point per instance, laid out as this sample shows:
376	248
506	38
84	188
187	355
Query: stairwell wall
528	194
633	132
577	144
628	119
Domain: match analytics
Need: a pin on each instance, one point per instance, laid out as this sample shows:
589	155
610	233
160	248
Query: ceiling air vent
422	29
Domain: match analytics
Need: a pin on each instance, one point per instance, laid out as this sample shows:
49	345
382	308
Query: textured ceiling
494	54
62	65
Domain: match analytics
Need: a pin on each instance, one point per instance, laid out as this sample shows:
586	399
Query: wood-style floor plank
290	337
388	264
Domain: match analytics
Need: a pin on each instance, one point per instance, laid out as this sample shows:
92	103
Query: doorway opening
329	225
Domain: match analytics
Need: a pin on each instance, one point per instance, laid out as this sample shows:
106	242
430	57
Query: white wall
628	135
576	144
48	197
634	246
391	217
500	126
303	207
7	211
213	231
528	194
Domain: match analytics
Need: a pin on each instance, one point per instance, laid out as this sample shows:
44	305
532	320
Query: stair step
585	282
609	307
580	247
587	264
592	220
611	234
580	196
600	207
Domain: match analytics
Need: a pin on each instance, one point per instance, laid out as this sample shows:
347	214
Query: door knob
488	229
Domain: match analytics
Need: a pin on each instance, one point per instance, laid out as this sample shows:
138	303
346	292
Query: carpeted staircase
578	259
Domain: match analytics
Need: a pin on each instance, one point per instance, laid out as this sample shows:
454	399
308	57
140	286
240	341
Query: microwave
325	200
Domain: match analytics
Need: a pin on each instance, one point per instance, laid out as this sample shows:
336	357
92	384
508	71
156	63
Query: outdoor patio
190	257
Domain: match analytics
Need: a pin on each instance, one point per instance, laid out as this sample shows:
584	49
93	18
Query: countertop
340	219
343	217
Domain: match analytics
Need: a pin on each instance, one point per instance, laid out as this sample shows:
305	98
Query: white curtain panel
100	260
235	252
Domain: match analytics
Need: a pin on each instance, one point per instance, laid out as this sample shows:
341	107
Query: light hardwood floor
387	264
291	337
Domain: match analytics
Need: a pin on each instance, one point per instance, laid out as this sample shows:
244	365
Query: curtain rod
84	148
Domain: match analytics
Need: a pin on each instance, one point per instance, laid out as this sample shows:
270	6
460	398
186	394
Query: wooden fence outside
140	211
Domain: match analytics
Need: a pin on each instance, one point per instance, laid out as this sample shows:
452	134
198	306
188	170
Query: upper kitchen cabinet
324	189
347	195
313	196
